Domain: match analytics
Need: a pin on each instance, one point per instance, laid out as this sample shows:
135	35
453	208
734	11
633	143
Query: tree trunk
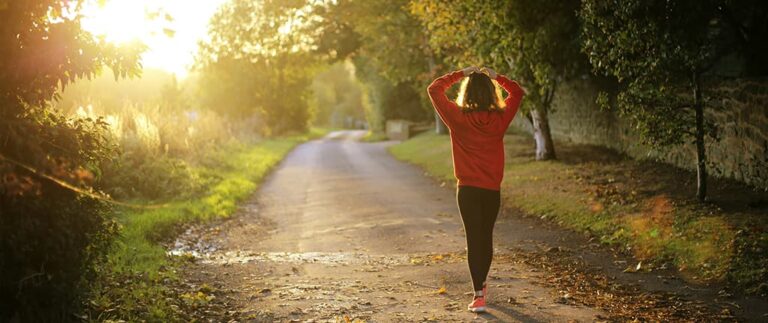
701	155
440	127
545	148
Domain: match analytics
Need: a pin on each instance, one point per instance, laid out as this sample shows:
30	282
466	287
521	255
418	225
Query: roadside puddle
325	258
200	245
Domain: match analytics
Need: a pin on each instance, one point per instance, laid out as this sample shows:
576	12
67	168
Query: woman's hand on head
488	71
470	70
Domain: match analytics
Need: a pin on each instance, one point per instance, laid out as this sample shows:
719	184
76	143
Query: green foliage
136	282
159	177
50	246
388	47
392	39
752	265
669	40
371	136
337	95
536	40
429	151
172	95
108	96
386	99
160	137
258	63
51	235
34	27
660	51
654	48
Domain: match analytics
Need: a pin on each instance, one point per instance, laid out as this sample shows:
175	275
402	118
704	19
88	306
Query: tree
537	40
51	234
171	95
259	61
42	50
338	96
659	51
389	49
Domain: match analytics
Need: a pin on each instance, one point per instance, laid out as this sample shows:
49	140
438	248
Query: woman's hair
479	93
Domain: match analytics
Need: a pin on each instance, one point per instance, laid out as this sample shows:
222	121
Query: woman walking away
477	122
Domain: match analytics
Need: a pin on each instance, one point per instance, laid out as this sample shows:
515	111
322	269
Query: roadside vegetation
372	136
102	161
173	166
637	207
139	280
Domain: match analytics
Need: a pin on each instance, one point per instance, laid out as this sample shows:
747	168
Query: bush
50	246
52	236
159	149
150	178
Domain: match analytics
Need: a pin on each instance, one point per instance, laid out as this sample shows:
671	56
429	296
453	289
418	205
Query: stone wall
738	107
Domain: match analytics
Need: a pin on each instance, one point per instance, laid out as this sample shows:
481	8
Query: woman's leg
479	208
491	205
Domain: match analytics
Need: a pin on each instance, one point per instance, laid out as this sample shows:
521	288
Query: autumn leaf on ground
635	269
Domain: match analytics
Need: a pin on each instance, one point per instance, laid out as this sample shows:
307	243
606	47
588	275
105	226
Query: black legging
479	208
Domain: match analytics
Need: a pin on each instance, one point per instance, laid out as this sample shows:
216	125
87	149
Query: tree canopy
538	46
258	62
659	51
45	155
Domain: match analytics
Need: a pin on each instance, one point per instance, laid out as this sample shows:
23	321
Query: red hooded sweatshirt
477	138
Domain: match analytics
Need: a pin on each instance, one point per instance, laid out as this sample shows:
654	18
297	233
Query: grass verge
372	136
137	282
647	208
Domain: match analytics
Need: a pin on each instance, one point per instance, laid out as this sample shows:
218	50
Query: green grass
431	152
135	284
372	136
601	198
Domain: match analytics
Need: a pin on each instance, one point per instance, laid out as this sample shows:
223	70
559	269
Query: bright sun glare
144	20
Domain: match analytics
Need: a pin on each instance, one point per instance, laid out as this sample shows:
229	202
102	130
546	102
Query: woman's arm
514	92
446	108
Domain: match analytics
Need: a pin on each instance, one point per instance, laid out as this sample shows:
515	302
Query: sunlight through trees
122	122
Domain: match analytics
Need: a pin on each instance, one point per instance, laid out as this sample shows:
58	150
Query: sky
128	20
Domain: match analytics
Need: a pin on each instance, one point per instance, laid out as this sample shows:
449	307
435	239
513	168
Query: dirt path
341	230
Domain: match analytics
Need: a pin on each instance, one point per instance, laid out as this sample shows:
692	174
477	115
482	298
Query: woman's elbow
433	90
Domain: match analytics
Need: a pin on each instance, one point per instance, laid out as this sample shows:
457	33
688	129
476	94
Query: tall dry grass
158	148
